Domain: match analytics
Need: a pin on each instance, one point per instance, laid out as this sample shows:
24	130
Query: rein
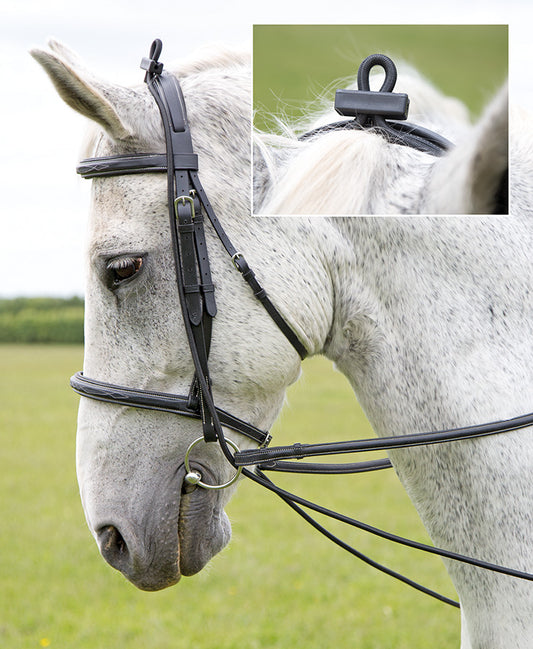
187	203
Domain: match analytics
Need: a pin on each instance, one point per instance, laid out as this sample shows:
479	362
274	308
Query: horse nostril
113	547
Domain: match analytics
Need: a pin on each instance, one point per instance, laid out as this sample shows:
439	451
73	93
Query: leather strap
299	451
206	283
136	163
184	206
161	401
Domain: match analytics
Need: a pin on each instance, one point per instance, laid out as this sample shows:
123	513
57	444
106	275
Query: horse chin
204	529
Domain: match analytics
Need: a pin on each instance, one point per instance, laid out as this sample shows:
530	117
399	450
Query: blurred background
43	203
294	64
279	584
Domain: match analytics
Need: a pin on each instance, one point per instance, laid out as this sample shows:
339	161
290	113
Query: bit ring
194	477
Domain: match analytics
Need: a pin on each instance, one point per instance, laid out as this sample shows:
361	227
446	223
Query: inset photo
380	119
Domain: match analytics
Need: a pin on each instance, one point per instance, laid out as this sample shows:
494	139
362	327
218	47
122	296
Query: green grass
293	64
278	585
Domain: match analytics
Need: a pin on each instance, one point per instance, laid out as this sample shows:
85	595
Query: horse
427	316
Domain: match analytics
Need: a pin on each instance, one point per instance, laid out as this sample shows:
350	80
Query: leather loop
151	64
363	74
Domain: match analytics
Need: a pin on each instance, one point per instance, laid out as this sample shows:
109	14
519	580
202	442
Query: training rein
187	203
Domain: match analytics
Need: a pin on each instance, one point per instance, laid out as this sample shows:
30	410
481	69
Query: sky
43	203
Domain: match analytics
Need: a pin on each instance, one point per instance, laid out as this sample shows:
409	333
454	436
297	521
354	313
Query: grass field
279	585
293	64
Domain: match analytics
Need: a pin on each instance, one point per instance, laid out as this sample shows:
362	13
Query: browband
134	163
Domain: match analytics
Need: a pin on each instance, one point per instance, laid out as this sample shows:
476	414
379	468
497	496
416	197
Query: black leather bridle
187	203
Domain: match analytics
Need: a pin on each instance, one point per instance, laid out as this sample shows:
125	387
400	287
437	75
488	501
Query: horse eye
123	268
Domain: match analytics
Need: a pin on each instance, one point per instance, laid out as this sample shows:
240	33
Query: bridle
187	203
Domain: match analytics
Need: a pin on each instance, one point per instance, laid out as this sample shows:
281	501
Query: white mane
354	172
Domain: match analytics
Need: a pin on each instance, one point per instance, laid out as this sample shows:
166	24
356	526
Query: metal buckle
194	477
184	199
234	258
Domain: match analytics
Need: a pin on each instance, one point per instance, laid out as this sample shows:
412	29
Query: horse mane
347	166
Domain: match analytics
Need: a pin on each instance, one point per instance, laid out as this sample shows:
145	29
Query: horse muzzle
132	561
177	534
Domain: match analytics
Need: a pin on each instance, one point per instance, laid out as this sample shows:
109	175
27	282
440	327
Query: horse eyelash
123	262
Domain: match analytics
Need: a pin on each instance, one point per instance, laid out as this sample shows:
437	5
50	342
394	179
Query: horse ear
91	97
472	178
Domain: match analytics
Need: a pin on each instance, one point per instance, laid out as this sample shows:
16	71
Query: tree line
41	320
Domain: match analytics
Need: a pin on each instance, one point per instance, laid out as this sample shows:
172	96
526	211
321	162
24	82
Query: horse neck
442	307
433	330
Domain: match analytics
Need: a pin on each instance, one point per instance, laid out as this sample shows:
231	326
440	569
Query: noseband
187	204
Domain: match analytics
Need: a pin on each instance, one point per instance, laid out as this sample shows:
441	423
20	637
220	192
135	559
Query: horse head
426	317
148	523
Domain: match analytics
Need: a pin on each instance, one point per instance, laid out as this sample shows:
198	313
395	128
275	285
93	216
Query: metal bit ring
193	477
